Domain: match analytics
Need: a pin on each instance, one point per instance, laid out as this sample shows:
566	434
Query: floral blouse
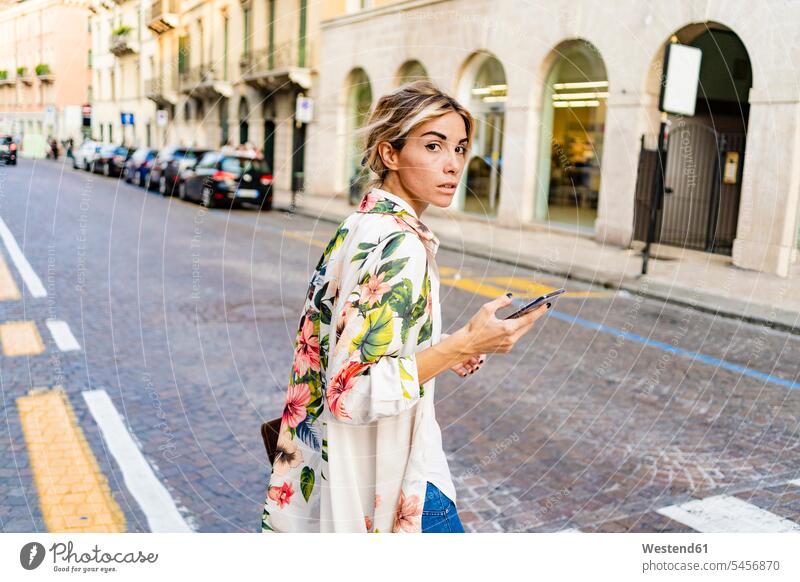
351	450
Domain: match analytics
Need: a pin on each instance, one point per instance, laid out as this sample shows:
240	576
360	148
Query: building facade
230	72
566	102
122	57
42	85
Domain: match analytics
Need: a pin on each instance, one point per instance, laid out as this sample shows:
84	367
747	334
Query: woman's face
428	167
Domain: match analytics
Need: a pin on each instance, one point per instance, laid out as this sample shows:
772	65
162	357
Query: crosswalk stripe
8	287
73	492
29	276
62	335
727	514
20	338
151	495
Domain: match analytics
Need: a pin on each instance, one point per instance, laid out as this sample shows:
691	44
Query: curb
770	317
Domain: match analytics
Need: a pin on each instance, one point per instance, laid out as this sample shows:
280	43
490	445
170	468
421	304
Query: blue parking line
711	361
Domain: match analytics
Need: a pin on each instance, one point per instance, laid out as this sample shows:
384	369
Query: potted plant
121	30
42	69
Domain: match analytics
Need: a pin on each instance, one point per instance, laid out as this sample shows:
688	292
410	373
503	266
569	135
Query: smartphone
536	303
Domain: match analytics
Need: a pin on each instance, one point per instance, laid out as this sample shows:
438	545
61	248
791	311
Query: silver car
85	155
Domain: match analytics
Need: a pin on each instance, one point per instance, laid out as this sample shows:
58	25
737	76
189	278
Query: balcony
163	16
44	74
4	78
273	69
24	76
121	44
204	82
162	90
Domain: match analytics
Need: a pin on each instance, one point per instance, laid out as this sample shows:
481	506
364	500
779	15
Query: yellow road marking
8	288
73	493
447	271
474	286
537	289
522	284
305	238
467	284
20	338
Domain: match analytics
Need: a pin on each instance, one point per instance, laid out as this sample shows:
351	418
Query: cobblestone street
612	415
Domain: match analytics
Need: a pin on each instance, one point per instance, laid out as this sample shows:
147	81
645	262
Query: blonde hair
396	115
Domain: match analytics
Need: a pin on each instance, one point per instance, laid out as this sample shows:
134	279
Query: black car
139	165
228	179
8	150
111	160
170	162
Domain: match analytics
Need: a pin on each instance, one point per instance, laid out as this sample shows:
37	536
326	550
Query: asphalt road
616	413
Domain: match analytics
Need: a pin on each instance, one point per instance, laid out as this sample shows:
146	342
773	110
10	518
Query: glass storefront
359	101
411	71
481	190
571	148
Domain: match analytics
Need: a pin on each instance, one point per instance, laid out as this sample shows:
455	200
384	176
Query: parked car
169	164
111	160
138	166
228	178
8	150
84	156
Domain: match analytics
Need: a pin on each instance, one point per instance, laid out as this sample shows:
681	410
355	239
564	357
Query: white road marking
795	482
62	335
32	281
151	495
727	514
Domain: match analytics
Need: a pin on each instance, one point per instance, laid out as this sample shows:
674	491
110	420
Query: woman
359	447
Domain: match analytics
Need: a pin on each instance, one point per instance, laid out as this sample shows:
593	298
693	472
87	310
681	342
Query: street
617	413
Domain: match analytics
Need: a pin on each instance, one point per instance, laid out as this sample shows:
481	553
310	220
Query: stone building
566	97
42	85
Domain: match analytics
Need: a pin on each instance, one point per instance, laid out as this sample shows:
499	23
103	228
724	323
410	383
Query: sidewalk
707	282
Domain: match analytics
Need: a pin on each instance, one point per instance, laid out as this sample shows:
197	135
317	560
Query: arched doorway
411	71
223	122
484	87
244	126
705	152
269	134
357	109
571	139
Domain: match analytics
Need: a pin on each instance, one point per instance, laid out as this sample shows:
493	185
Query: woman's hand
485	333
466	348
468	366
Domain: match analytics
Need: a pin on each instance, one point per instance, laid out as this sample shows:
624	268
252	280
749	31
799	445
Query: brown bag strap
269	432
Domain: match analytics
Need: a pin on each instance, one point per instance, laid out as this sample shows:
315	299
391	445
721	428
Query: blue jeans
439	514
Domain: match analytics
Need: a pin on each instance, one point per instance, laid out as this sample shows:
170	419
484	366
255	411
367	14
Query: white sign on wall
682	75
161	117
304	109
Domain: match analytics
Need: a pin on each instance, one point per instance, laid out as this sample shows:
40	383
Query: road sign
50	115
681	77
126	118
304	109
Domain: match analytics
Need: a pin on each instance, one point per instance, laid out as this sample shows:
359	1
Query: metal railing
162	15
161	85
281	56
199	75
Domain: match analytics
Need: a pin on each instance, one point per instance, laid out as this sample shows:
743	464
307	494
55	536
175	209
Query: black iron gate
700	205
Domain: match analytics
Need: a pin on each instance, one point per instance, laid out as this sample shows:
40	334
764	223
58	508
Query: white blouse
359	439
